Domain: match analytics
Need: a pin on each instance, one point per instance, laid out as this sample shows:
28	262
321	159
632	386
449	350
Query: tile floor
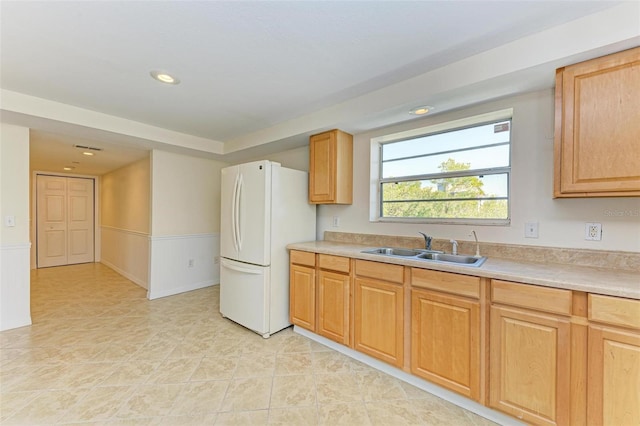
99	352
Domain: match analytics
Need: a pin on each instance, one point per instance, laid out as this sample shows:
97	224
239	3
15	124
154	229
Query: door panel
51	220
255	213
64	220
80	220
244	291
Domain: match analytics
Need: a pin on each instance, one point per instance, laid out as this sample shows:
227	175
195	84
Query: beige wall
185	194
561	221
125	197
14	183
14	241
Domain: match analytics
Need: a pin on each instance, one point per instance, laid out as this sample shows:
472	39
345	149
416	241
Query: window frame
376	181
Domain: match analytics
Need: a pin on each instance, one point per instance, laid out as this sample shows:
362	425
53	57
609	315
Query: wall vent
92	148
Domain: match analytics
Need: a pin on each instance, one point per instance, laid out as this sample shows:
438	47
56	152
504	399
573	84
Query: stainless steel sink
391	251
453	258
428	256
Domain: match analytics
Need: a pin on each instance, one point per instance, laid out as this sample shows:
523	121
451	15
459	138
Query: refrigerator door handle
235	267
233	214
239	212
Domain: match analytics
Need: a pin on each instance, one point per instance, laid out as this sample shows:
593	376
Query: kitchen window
455	172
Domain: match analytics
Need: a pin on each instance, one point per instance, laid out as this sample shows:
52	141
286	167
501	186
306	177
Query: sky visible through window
431	145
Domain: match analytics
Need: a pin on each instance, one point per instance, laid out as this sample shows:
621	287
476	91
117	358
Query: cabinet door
379	320
302	296
333	306
600	125
614	377
529	365
445	341
322	167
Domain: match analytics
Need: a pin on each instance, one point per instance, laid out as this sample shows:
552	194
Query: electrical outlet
531	230
192	263
336	221
593	231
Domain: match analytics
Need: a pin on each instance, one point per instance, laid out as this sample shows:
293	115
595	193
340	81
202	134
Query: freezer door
253	213
244	294
228	239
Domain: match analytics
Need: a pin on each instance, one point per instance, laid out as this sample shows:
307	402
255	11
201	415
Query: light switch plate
10	221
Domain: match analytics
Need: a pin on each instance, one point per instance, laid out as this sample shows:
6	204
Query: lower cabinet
445	341
302	289
334	298
379	311
530	354
613	361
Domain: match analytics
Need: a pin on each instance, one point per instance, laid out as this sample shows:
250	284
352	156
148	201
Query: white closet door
64	220
80	221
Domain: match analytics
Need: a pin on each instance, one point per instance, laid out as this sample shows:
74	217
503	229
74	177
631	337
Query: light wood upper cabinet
334	298
331	168
530	357
614	361
379	311
302	289
597	136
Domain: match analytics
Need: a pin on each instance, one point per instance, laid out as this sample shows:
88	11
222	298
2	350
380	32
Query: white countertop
581	278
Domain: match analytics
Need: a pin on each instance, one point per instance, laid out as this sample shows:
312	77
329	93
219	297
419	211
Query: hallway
99	352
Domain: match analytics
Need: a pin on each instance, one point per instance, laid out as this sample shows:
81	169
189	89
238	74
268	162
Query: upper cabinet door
598	127
331	168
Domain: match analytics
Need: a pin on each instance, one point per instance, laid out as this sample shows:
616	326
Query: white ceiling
250	66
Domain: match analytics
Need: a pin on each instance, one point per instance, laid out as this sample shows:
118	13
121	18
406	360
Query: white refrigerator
264	208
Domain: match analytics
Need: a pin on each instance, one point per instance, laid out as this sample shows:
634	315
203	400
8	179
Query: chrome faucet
454	250
477	243
427	240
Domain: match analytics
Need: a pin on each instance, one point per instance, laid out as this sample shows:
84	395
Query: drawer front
462	285
380	271
614	310
334	263
303	258
545	299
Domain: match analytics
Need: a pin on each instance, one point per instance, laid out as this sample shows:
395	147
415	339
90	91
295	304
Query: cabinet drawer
381	271
334	263
545	299
462	285
614	310
303	258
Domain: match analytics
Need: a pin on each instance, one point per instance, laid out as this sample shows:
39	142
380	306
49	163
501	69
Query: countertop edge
569	277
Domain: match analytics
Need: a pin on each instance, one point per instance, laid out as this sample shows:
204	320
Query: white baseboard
426	386
177	290
125	274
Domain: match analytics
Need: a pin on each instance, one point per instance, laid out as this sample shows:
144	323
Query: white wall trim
169	270
125	274
15	246
15	286
426	386
125	231
185	236
127	253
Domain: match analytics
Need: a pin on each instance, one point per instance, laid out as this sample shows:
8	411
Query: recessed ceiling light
88	153
164	77
421	110
68	168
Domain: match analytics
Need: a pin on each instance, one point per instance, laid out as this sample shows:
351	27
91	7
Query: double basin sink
428	256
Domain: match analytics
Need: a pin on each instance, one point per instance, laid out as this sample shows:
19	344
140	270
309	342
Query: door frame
33	210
